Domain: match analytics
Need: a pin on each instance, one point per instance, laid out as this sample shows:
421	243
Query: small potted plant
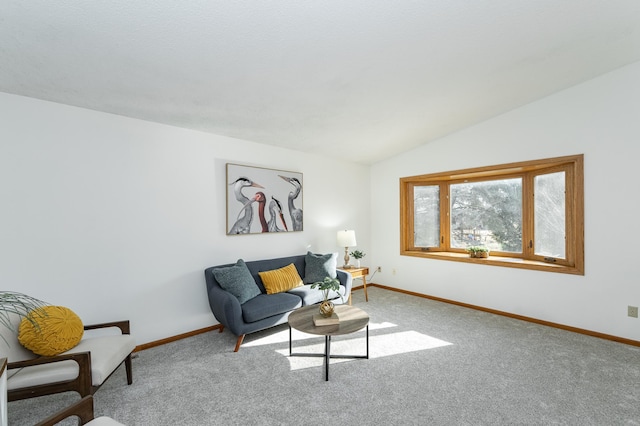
477	251
357	255
326	307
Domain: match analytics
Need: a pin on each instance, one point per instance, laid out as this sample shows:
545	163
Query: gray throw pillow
319	266
238	281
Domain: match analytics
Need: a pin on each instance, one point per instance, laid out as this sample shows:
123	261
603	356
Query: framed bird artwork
263	200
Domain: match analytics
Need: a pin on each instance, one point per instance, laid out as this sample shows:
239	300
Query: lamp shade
347	238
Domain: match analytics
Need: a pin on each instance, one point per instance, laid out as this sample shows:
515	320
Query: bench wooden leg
127	365
239	342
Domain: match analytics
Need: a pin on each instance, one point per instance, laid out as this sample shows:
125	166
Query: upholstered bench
84	368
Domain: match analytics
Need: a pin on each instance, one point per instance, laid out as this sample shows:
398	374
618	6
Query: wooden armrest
82	358
83	409
81	384
122	325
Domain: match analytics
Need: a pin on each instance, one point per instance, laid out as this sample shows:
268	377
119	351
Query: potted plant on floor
326	285
357	255
479	252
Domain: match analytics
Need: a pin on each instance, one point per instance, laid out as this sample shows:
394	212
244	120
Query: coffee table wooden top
352	319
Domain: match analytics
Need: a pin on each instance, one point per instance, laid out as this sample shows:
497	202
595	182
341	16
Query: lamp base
346	259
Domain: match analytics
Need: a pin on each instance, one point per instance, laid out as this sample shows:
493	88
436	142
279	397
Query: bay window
528	214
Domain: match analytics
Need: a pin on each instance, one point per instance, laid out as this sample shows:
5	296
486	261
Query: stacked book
320	320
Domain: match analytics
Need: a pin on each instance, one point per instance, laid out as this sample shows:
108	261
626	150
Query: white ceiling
362	78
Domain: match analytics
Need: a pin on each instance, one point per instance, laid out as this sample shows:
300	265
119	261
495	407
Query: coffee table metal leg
327	355
367	342
327	351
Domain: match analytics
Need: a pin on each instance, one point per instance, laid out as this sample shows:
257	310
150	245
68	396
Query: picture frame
262	200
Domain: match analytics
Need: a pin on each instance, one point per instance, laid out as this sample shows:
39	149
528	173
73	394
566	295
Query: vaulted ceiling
361	78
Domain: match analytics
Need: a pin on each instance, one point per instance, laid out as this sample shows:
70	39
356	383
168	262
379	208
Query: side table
361	272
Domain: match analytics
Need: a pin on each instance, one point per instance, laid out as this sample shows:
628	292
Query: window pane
487	214
426	216
549	211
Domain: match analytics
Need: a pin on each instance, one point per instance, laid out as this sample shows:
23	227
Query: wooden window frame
573	166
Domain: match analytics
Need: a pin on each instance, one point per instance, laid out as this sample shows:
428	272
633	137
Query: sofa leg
239	342
221	329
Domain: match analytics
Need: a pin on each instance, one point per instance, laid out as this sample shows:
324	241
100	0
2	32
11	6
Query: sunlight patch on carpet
379	347
283	336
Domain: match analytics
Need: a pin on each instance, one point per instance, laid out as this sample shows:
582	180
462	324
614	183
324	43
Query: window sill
509	262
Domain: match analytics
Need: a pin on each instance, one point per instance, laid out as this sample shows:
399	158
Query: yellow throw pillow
50	330
280	280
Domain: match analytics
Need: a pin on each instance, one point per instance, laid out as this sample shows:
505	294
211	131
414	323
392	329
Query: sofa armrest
124	326
346	280
226	308
224	305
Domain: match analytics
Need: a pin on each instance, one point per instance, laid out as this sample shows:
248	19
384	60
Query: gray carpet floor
431	363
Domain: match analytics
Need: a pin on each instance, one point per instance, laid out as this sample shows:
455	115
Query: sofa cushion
311	296
237	280
50	330
282	279
268	305
319	266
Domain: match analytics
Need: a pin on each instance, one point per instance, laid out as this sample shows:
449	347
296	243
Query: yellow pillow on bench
50	330
281	280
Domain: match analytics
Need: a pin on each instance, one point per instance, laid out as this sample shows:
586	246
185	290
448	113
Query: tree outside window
531	211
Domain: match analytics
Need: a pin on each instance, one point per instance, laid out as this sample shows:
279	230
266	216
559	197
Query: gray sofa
267	310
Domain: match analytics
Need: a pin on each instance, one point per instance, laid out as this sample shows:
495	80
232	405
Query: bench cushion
42	374
107	352
104	421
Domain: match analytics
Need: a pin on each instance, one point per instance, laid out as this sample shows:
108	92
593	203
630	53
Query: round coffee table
351	318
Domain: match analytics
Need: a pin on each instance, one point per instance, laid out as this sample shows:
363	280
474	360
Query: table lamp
346	239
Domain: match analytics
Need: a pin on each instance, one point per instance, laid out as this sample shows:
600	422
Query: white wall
117	218
600	118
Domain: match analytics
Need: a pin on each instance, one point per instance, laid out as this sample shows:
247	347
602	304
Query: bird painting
275	211
245	217
296	213
264	200
261	199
